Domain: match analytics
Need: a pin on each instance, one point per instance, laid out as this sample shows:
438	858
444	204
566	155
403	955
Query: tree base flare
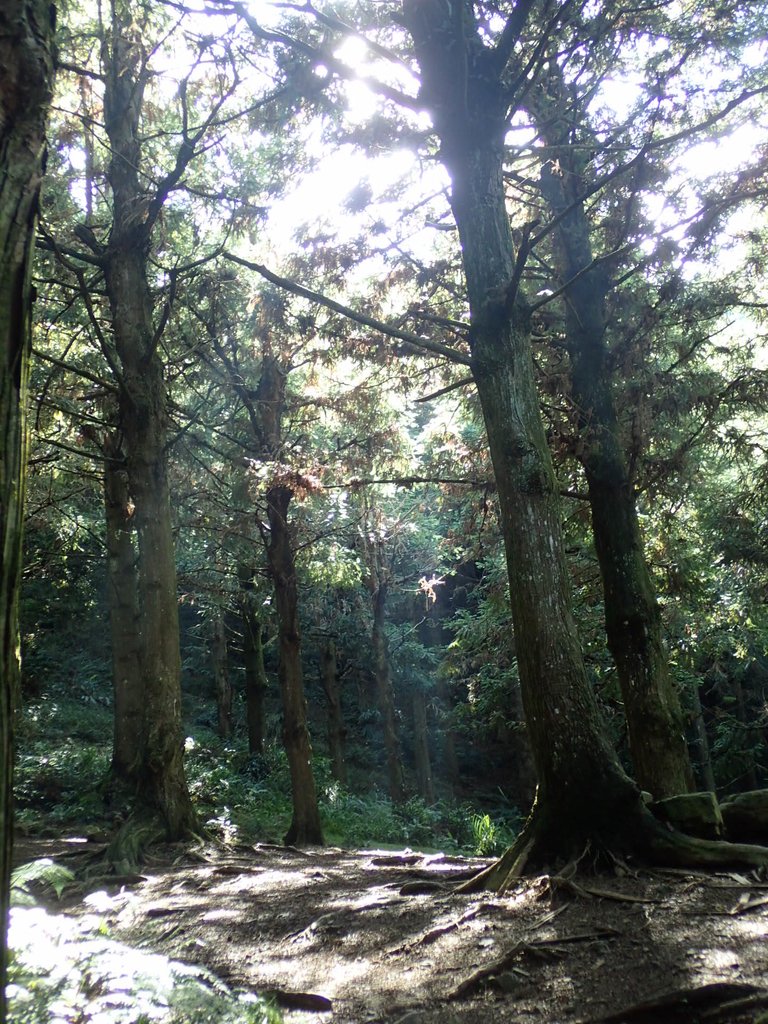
127	851
300	835
544	847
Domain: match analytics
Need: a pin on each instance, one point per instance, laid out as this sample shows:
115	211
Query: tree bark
221	675
632	617
750	735
162	789
253	658
26	78
124	617
305	828
384	690
447	760
421	754
702	741
584	799
337	731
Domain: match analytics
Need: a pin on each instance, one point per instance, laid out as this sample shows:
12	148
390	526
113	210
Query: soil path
344	937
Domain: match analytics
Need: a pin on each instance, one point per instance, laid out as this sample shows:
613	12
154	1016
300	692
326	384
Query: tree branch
412	340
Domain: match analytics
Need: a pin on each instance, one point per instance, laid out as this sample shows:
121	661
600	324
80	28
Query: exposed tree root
128	849
547	842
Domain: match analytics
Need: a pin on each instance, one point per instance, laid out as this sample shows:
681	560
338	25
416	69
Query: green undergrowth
64	970
248	797
64	759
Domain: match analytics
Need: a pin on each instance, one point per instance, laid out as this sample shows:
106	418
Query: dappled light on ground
66	971
378	937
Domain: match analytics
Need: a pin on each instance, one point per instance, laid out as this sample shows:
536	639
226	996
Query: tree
632	616
256	684
273	483
124	615
26	80
337	730
378	580
584	797
139	154
161	786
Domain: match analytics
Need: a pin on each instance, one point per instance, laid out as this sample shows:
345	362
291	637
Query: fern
43	873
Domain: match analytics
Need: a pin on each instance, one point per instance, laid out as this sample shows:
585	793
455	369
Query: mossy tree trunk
584	798
124	616
161	785
632	616
26	78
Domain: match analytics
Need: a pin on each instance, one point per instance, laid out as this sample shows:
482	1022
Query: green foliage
245	798
60	780
373	820
38	876
483	627
64	972
75	717
485	834
64	750
239	797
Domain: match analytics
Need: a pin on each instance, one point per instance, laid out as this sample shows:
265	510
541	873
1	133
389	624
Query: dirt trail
360	937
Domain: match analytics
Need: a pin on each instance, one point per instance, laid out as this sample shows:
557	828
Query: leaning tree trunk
632	617
124	618
26	77
584	799
305	828
162	794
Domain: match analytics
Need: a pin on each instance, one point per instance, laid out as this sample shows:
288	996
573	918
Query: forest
384	404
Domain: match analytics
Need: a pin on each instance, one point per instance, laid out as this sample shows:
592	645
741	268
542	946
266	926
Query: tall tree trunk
253	660
385	693
337	731
706	773
421	755
26	78
749	735
221	675
124	617
632	617
583	798
162	789
448	762
305	828
522	789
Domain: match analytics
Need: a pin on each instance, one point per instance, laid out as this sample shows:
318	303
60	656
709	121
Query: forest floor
357	937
